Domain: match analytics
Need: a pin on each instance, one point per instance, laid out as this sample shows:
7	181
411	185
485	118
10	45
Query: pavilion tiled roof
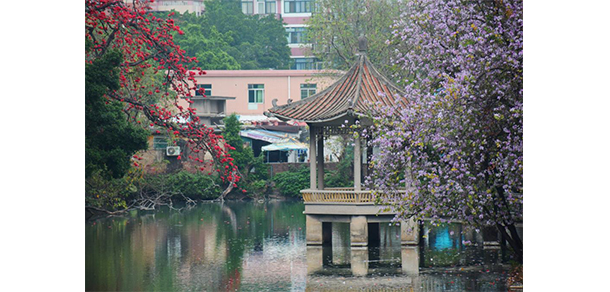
361	89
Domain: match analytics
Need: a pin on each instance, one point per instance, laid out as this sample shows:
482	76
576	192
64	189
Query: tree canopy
110	139
460	137
152	75
228	39
252	168
335	26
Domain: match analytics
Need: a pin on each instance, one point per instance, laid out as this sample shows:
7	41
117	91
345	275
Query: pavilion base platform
364	218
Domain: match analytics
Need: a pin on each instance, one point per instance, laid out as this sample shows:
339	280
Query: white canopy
285	146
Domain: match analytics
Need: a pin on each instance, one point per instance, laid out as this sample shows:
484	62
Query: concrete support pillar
409	232
320	161
359	261
314	259
312	157
410	260
358	229
357	165
313	230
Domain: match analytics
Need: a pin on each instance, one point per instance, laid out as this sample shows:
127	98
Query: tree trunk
514	240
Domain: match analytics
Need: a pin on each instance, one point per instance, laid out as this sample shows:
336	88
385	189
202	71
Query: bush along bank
138	190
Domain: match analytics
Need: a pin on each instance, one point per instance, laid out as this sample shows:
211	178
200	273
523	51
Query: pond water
248	246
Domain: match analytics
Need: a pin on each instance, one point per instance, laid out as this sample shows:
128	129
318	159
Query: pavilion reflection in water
332	112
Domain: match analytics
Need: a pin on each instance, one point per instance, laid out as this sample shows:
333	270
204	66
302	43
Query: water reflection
262	247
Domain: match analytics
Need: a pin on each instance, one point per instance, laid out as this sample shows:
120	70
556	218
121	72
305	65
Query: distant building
294	13
249	93
182	6
210	109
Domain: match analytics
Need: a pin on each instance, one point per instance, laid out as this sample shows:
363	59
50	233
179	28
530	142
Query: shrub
291	182
342	177
194	186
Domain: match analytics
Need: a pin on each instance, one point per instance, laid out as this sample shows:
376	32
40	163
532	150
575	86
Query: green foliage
110	140
291	182
335	28
252	168
110	193
209	46
225	38
442	258
194	186
257	188
342	176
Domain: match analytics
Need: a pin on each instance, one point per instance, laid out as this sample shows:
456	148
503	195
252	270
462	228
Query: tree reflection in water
249	246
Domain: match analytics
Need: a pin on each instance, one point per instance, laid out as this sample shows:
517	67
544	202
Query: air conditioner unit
172	150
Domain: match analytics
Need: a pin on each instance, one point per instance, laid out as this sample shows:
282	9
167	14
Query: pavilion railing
337	195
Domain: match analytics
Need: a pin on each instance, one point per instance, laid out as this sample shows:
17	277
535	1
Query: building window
256	93
207	88
297	6
270	7
296	35
308	90
159	142
247	7
303	64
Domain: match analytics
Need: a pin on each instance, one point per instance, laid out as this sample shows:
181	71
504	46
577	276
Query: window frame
308	88
298	6
268	5
303	64
207	91
297	32
160	142
253	89
249	7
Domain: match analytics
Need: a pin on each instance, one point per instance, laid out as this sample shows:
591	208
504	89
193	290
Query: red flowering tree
153	78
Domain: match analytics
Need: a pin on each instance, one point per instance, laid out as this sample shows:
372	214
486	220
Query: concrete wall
278	84
182	6
156	160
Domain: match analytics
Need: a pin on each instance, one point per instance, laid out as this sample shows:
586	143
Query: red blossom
147	46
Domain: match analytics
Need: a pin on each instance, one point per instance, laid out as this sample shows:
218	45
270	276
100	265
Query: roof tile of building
361	89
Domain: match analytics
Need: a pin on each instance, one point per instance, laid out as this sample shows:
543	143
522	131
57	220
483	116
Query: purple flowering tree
457	146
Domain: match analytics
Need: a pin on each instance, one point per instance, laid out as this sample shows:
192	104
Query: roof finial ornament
362	44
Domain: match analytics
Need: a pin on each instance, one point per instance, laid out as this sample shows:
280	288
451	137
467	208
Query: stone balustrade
337	195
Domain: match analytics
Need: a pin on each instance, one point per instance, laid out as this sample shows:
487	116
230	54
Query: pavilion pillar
359	231
409	232
357	165
359	261
320	161
312	157
313	230
410	259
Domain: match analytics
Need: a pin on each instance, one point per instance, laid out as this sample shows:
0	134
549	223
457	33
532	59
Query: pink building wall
278	84
295	20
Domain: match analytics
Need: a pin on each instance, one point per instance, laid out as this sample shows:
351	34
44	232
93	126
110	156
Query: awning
248	119
267	136
285	146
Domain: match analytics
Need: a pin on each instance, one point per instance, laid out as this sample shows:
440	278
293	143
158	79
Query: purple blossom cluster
457	147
